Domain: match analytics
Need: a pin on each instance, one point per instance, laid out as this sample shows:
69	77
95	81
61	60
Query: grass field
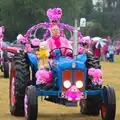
51	111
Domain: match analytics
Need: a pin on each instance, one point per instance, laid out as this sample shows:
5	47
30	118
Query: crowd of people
105	52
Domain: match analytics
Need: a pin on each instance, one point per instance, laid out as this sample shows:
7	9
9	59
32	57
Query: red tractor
6	54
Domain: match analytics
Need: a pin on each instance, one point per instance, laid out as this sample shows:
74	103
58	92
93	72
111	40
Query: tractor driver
56	41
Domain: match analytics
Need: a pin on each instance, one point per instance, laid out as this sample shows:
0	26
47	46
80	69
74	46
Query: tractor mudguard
82	57
33	61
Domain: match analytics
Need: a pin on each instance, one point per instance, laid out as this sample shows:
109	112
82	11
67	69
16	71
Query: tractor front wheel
30	103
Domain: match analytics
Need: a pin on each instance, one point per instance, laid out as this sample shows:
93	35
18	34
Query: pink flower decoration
35	42
43	77
80	40
96	76
97	81
2	29
91	71
22	39
85	40
54	14
81	50
28	47
73	94
1	37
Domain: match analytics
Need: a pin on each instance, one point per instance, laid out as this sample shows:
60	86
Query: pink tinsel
43	77
47	32
54	14
73	94
96	76
35	42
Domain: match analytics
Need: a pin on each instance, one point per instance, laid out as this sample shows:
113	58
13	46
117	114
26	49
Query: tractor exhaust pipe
75	41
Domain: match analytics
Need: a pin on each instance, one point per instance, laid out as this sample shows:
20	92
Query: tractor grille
73	77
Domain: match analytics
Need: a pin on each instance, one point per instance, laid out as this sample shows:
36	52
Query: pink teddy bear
73	94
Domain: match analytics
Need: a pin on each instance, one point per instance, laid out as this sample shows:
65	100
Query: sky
94	1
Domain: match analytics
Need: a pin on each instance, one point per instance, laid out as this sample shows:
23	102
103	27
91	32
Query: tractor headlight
79	84
67	84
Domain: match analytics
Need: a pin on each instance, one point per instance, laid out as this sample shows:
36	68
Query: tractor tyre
6	69
30	103
5	56
90	106
19	78
92	62
108	108
5	64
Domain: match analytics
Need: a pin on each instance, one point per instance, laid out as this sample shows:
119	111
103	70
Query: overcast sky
94	1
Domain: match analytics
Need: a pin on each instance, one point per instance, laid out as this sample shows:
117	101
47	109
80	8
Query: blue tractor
68	70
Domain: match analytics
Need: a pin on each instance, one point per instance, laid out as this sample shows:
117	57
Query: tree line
102	18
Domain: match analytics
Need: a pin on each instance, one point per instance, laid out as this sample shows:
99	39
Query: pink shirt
58	42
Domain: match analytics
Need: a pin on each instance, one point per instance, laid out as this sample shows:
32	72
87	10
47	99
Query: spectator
104	52
107	56
111	50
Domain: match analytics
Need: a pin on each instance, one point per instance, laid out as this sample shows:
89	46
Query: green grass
51	111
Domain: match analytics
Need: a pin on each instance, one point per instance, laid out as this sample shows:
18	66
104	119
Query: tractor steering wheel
62	52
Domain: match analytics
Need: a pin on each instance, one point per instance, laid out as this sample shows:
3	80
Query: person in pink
97	52
56	41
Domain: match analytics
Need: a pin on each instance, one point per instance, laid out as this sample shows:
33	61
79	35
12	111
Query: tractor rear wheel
90	106
93	62
19	77
5	64
108	108
6	69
